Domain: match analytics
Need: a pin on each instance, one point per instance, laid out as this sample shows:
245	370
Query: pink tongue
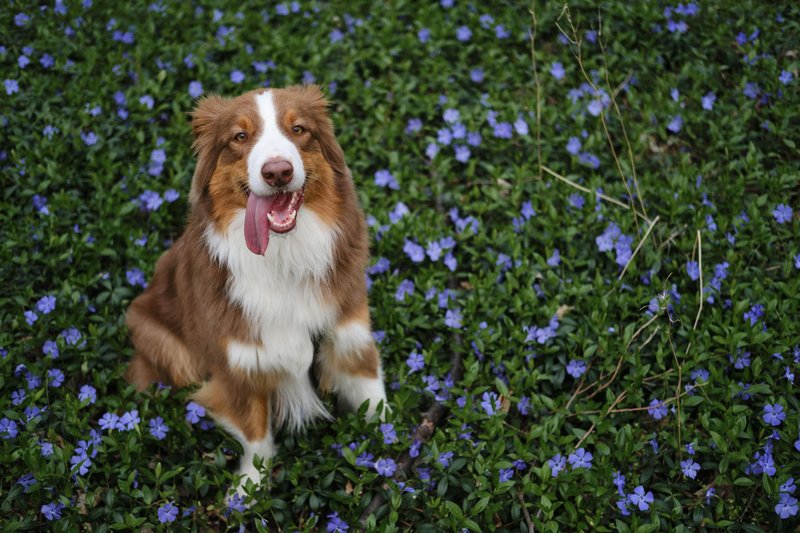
256	224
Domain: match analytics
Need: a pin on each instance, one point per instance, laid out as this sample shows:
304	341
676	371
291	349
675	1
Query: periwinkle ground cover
588	402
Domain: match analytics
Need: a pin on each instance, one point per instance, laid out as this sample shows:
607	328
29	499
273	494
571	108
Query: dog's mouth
277	213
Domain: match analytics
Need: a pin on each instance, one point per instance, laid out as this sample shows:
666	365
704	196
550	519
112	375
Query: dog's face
268	152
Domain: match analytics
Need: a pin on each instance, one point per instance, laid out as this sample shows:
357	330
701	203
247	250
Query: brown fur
182	323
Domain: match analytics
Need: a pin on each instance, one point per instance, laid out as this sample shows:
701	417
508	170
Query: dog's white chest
280	293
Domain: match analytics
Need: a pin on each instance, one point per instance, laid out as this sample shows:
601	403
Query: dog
266	286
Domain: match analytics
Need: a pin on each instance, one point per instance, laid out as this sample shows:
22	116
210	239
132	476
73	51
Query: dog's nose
277	172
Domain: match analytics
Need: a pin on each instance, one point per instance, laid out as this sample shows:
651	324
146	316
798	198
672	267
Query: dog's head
267	152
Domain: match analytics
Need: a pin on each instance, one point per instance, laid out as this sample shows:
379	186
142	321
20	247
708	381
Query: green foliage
717	175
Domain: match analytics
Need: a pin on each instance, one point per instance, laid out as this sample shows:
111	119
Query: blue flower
785	77
693	269
451	116
89	138
52	511
147	101
167	513
452	318
109	421
170	195
782	213
414	251
574	145
708	101
463	34
12	86
30	317
336	524
502	130
386	467
195	89
389	433
414	125
557	70
580	459
135	277
384	178
462	153
46	304
406	287
657	409
129	420
476	75
576	368
521	126
490	402
774	414
87	394
675	124
8	428
505	474
755	312
786	507
237	76
557	464
619	482
424	35
501	32
690	468
751	90
56	377
641	499
158	428
555	259
194	412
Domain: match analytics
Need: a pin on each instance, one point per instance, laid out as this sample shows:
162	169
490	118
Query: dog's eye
241	136
297	129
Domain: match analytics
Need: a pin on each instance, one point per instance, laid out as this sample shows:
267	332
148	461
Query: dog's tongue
256	224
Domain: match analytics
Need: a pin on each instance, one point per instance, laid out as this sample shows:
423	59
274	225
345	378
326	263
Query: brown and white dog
271	264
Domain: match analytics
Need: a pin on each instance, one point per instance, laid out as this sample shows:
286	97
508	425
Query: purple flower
555	259
490	402
431	150
782	213
194	412
46	304
56	377
774	414
451	116
505	474
557	70
195	89
708	101
690	468
237	76
574	145
462	153
87	394
89	138
414	251
406	287
389	433
129	420
452	318
576	368
424	35
135	277
170	195
751	90
336	524
463	34
755	312
786	507
109	421
580	459
336	35
8	428
476	75
12	86
501	32
414	125
167	513
785	77
444	136
641	499
502	130
40	204
657	409
557	464
20	19
589	159
149	201
619	482
52	511
386	467
237	503
693	269
675	124
521	126
384	178
30	317
147	101
158	428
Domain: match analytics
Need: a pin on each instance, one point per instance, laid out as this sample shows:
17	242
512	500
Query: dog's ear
331	150
205	126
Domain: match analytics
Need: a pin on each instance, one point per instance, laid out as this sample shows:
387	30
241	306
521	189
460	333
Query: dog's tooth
269	217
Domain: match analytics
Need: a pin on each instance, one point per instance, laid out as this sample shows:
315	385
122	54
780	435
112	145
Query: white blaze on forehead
272	144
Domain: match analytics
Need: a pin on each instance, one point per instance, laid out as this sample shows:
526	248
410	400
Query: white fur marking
350	338
272	144
281	298
354	390
297	403
264	448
